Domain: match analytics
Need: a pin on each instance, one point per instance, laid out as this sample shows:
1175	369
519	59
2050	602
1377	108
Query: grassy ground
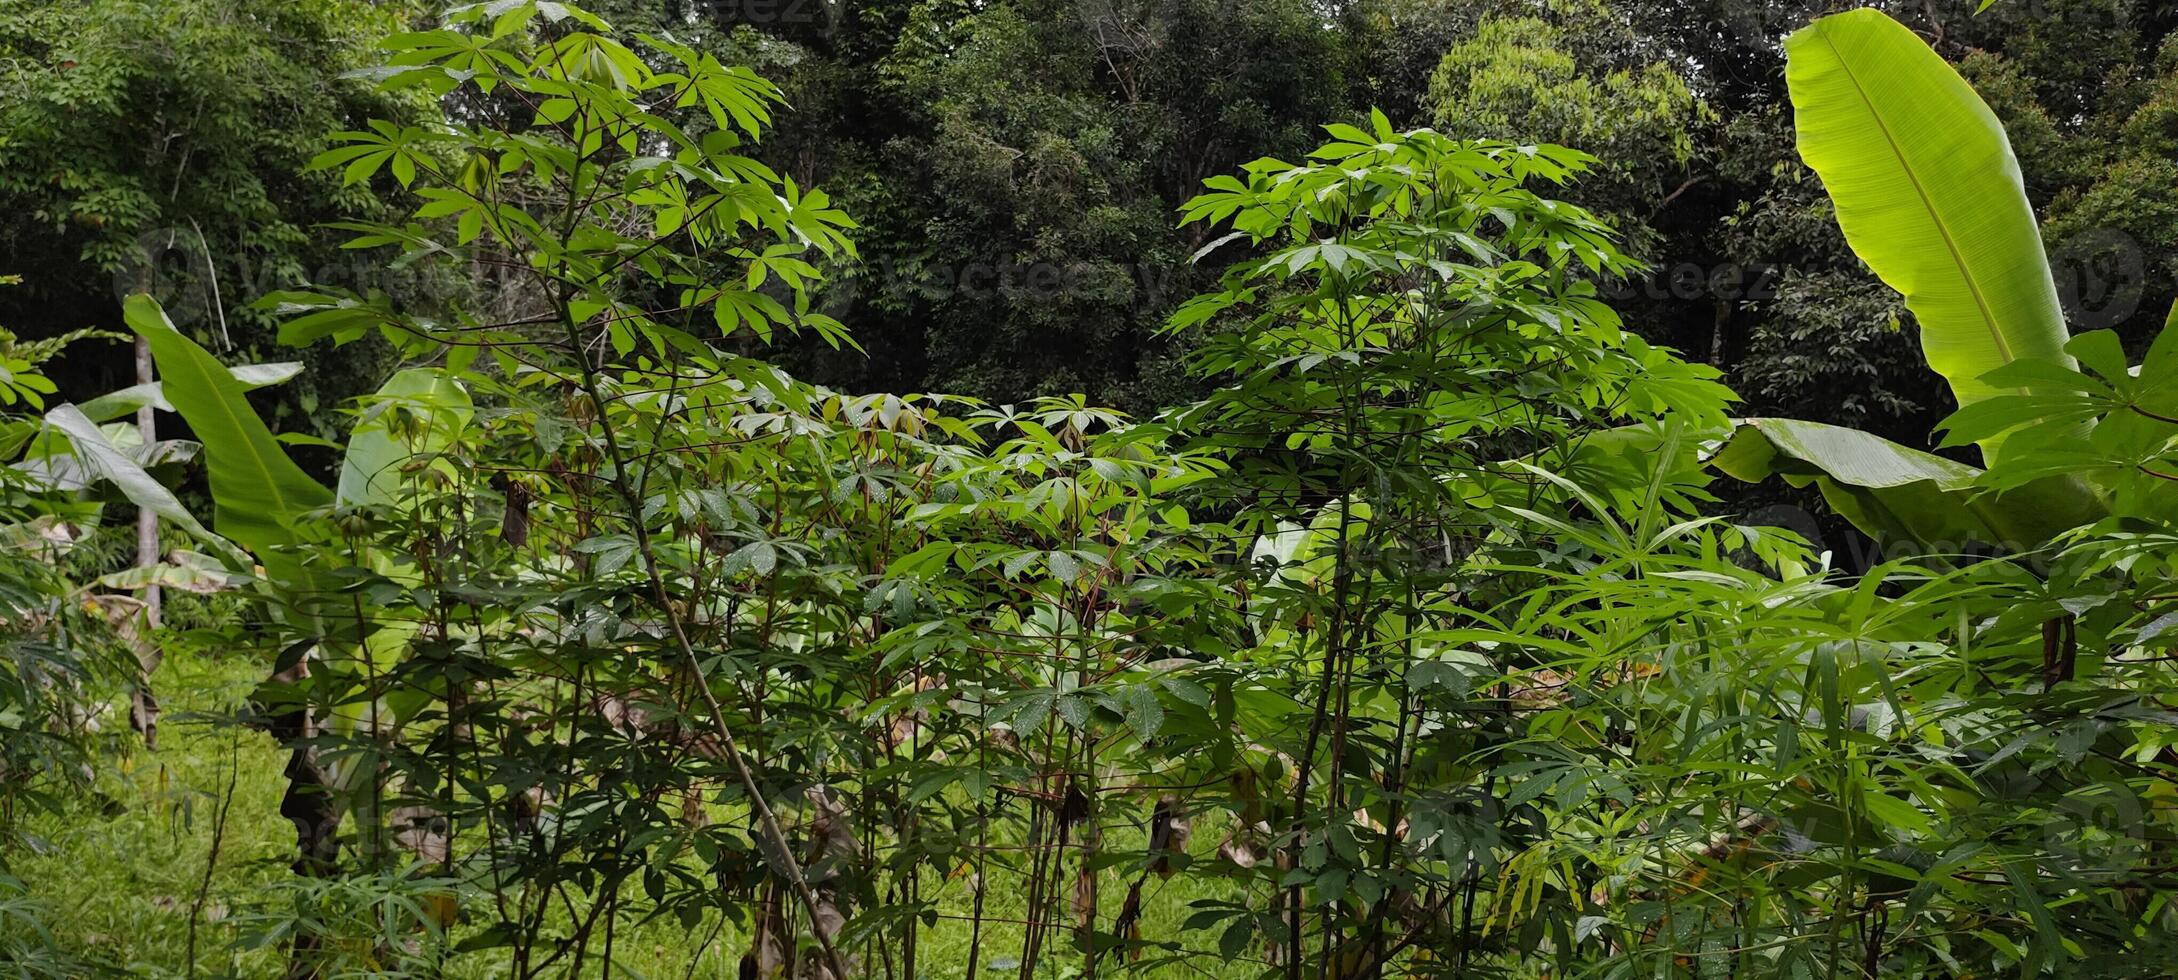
119	879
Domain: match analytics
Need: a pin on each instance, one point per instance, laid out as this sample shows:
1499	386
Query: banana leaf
438	408
99	457
113	405
260	498
1899	495
1928	193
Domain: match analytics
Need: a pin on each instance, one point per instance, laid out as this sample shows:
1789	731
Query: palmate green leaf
2100	424
368	152
318	315
1900	495
2059	401
260	497
2005	414
1928	193
2127	459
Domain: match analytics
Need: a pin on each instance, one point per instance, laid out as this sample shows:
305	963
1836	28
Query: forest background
1019	224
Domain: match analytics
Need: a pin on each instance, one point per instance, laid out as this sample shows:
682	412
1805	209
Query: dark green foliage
1024	218
160	146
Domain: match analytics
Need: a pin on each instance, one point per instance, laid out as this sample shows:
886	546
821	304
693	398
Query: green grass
117	876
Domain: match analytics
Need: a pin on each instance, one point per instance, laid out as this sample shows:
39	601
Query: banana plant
272	530
75	457
74	447
262	500
1929	194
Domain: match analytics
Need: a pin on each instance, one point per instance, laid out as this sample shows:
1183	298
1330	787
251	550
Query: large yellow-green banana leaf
1928	194
433	409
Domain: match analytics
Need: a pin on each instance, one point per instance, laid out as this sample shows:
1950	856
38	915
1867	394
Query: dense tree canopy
1022	233
162	146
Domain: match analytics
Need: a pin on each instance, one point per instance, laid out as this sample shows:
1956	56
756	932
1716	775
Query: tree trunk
310	805
143	704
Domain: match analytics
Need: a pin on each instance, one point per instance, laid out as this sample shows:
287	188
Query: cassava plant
1409	358
609	180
